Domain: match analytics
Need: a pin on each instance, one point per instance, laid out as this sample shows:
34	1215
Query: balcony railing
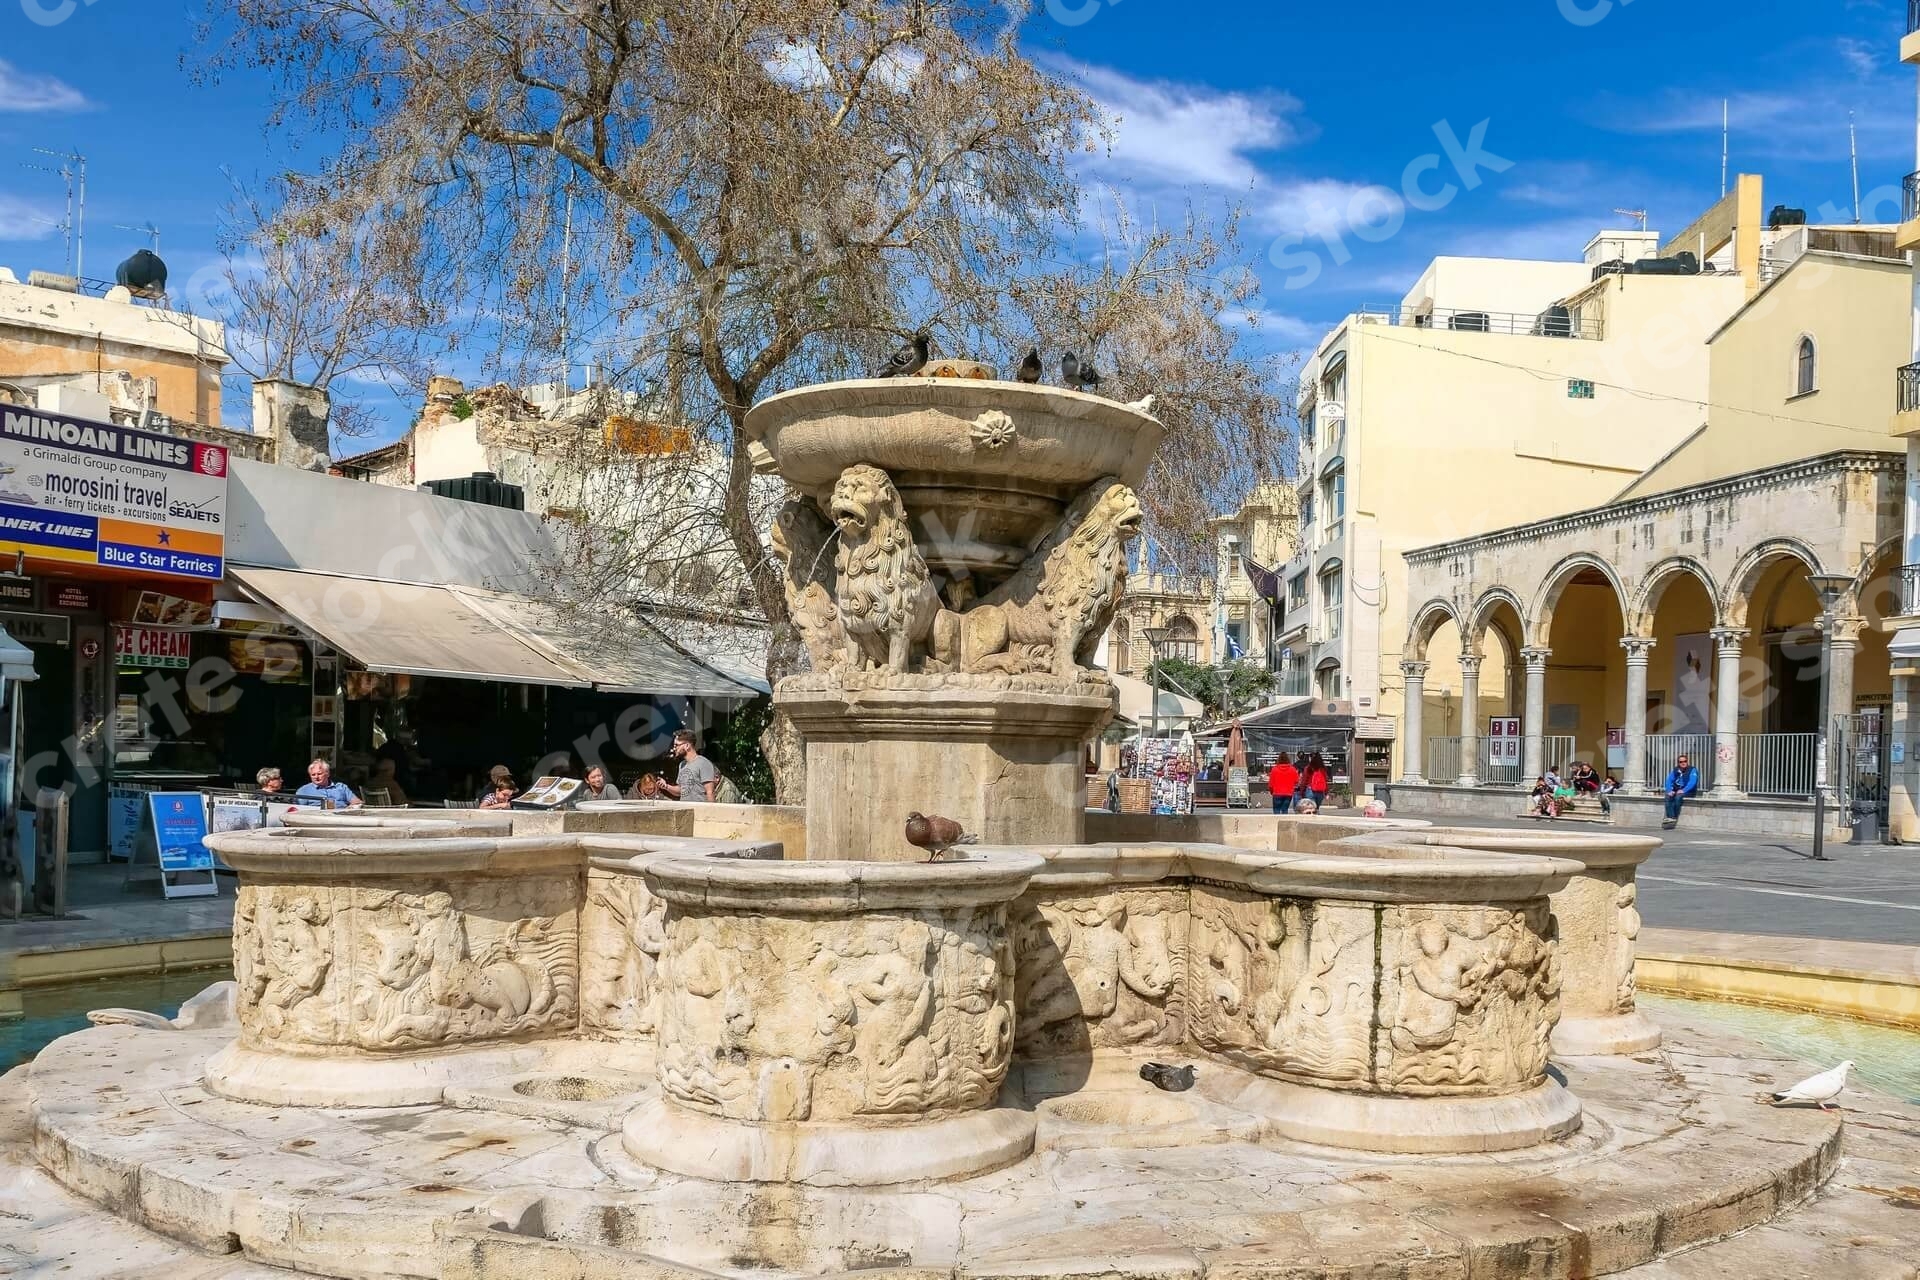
1909	590
1909	391
1910	193
1913	16
1554	322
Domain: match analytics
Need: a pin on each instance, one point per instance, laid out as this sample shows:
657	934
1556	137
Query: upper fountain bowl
983	467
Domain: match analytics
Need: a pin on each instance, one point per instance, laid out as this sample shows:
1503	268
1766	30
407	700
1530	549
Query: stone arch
1556	582
1427	619
1654	584
1887	558
1752	564
1482	617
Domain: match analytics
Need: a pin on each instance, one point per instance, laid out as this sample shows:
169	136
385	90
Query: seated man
322	787
1683	783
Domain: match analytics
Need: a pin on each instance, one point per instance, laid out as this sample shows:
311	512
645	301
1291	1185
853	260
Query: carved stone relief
1626	901
780	1018
1283	986
1099	972
1469	996
622	931
379	969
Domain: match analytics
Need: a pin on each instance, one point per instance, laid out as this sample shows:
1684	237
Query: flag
1266	582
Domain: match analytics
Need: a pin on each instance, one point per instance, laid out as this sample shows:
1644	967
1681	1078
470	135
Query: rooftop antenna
1853	150
151	232
1723	148
74	169
1640	214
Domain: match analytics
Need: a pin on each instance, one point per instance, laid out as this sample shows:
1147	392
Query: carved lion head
863	498
1112	514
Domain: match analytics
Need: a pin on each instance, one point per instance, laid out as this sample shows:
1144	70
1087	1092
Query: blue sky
1307	115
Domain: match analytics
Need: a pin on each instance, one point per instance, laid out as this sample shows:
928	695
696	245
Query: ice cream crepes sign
84	492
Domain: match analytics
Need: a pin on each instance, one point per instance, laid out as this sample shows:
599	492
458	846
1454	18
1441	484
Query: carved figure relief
886	600
801	541
1049	616
282	956
622	932
1626	902
775	1018
1469	999
1099	971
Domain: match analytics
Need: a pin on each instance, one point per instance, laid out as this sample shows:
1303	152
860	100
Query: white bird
1142	405
1820	1090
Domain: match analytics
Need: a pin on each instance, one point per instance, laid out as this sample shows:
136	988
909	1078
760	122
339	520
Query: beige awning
1136	704
421	629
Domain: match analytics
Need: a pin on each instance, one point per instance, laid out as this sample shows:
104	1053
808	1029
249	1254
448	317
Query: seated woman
1540	800
1583	777
500	789
646	787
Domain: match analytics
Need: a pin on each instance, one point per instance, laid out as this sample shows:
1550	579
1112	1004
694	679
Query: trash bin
1866	824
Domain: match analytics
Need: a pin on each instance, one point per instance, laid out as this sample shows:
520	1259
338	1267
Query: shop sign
152	647
77	596
94	493
37	628
16	591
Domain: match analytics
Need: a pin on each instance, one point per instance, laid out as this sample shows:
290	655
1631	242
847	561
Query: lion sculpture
800	543
886	598
1049	616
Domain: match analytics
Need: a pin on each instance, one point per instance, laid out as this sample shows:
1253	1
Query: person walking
321	786
1282	781
1318	781
698	779
1683	783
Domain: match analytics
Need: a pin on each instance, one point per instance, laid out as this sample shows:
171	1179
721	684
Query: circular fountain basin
984	468
834	1023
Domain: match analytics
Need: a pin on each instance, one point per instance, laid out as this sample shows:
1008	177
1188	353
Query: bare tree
718	198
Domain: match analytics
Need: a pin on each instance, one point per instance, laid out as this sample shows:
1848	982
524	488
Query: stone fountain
690	1039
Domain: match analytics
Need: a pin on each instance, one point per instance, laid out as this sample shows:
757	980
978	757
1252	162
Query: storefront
109	536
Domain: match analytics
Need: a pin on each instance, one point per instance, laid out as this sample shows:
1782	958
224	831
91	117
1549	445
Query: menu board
549	792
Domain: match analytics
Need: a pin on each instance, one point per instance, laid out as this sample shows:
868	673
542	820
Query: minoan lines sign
92	493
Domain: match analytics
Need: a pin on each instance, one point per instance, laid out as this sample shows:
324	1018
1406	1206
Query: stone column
1469	720
1726	712
1534	746
1413	746
1638	648
1903	770
1839	643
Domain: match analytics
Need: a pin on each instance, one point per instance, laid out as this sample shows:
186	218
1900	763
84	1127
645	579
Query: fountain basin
834	1023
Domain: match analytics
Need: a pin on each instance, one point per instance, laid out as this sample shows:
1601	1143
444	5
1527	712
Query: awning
1137	701
16	660
421	629
1905	643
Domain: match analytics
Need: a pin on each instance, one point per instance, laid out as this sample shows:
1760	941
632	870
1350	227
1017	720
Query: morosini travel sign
93	493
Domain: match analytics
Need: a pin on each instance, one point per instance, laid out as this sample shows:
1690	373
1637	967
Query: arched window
1805	368
1120	648
1183	638
1328	680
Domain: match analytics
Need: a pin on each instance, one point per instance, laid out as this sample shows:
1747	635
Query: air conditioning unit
1332	707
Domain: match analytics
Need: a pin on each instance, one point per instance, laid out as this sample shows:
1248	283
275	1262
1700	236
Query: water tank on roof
144	273
1785	217
1471	321
482	487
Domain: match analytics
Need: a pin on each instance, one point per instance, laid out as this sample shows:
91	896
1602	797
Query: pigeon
936	835
909	359
1820	1090
1030	367
1143	405
1172	1079
1070	370
1089	377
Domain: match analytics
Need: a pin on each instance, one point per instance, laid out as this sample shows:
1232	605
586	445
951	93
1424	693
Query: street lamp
1156	636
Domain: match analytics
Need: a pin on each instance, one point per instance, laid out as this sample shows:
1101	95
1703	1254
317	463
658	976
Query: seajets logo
187	511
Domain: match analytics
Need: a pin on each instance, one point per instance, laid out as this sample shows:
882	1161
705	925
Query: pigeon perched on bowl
1165	1076
1820	1090
1069	370
1030	367
936	835
909	359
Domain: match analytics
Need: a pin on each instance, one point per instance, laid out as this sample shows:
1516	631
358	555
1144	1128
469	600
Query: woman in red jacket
1283	780
1318	783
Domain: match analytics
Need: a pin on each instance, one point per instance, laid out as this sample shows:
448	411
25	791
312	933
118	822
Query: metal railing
1913	16
1910	197
1443	760
1909	390
1665	749
1555	322
1909	589
1778	764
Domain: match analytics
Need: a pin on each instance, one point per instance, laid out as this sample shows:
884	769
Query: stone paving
1677	1150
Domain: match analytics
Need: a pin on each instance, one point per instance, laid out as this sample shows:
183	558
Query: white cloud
23	91
1861	58
1177	133
20	220
798	66
1275	326
1556	240
1323	206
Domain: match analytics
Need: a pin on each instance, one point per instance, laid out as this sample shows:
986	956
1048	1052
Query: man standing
1683	783
698	779
321	786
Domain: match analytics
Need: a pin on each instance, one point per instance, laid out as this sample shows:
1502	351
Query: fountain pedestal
1002	756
